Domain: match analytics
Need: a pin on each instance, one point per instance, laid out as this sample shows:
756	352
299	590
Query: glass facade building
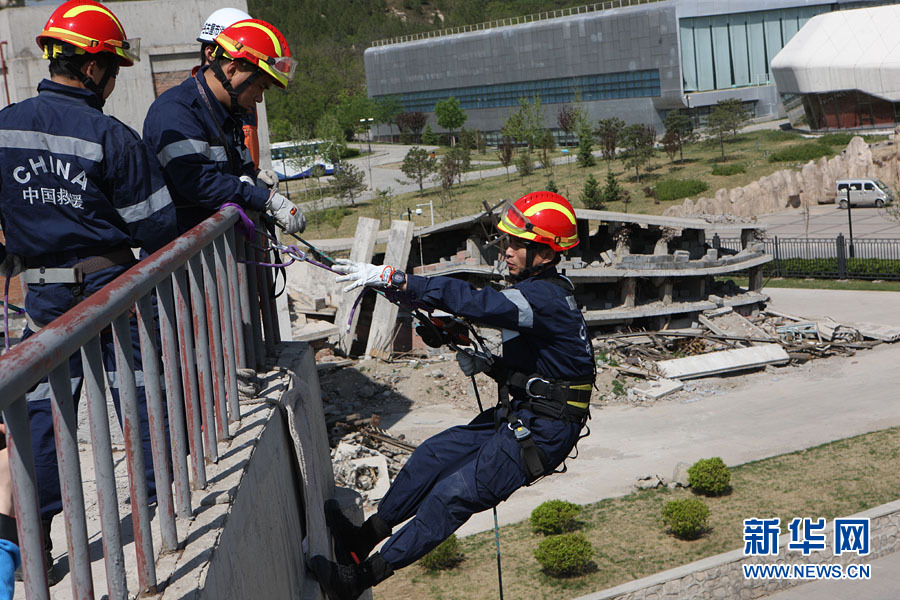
727	51
606	86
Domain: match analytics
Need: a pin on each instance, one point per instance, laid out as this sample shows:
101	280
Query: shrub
349	153
687	518
709	476
554	516
801	153
732	169
675	189
565	555
836	139
446	556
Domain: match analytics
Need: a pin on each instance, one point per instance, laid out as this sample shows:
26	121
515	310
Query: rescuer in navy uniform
78	191
196	130
547	368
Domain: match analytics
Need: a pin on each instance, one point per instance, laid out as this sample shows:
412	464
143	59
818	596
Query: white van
863	192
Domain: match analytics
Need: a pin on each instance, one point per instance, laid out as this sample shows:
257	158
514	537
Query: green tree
719	124
591	194
418	164
351	109
331	132
524	162
548	144
450	115
612	191
679	131
608	132
383	203
505	153
348	182
736	114
526	124
387	109
429	137
567	117
670	144
638	140
585	145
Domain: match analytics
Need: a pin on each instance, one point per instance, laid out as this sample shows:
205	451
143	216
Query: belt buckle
529	384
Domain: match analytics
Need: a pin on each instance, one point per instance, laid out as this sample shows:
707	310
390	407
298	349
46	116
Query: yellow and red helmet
542	217
89	27
261	44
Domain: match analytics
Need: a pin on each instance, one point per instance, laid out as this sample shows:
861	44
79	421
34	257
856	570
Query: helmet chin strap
96	87
233	92
531	250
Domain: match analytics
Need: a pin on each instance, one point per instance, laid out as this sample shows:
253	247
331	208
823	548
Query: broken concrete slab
382	480
654	390
874	331
724	361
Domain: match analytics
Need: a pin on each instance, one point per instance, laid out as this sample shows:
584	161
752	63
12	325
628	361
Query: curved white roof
844	50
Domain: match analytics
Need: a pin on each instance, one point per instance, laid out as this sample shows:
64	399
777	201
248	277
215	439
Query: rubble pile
365	457
722	341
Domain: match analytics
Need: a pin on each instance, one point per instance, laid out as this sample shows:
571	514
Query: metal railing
214	317
543	16
828	258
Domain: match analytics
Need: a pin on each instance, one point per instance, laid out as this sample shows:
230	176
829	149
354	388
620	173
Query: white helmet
219	20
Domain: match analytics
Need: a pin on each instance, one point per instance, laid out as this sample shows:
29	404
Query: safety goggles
517	224
282	65
130	49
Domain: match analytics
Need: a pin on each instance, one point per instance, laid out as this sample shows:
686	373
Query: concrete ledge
262	510
721	576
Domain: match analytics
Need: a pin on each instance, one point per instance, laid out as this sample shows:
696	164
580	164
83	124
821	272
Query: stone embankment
813	184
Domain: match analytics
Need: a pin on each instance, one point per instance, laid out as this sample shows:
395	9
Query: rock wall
813	184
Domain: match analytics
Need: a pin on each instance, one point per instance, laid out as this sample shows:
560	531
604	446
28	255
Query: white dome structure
845	68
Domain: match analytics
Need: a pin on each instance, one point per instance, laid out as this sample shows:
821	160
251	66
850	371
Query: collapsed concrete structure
627	269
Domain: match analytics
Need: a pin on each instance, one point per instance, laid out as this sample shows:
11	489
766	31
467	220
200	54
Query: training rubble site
654	291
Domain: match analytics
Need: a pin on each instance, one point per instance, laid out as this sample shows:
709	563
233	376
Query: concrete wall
611	41
263	509
168	30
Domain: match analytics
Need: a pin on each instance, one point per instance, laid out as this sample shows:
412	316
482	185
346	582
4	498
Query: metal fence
205	314
827	258
553	14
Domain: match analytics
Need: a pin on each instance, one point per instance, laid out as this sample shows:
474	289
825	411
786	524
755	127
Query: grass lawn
630	540
751	150
824	284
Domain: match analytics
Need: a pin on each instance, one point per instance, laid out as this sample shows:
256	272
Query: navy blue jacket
201	168
76	180
543	330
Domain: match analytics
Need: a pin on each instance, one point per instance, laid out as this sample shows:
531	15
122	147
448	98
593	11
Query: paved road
827	220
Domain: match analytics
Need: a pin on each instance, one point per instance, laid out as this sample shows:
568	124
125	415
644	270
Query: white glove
11	266
471	364
286	213
268	177
362	274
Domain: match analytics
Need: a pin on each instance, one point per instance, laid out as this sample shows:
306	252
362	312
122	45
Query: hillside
328	39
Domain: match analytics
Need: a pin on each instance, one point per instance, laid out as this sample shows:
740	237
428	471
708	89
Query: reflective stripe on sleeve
140	211
55	144
188	147
526	315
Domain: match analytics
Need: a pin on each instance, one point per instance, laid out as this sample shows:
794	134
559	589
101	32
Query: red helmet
261	44
91	28
543	217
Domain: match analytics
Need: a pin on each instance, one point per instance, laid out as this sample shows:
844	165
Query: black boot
52	576
353	543
343	582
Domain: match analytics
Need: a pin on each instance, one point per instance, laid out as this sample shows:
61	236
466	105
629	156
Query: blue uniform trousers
45	303
459	472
